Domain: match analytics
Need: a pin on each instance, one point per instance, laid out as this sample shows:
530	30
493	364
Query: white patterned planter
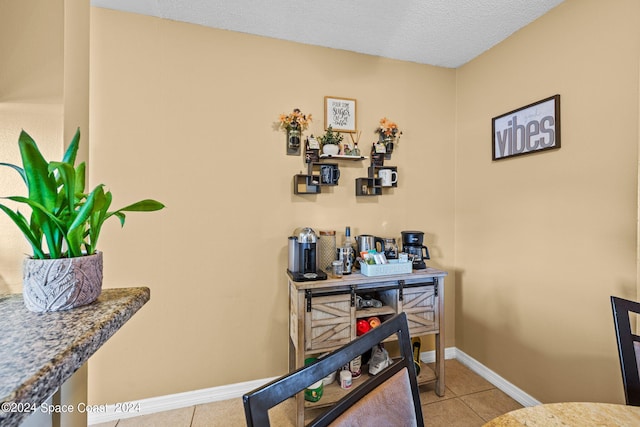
61	284
331	149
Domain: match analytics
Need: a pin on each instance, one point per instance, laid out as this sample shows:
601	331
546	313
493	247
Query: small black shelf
329	173
372	185
368	187
373	173
306	184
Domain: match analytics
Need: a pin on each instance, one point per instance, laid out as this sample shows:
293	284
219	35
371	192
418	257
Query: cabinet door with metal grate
421	306
328	322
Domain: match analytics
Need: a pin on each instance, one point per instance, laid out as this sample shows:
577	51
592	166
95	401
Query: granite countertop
40	351
570	414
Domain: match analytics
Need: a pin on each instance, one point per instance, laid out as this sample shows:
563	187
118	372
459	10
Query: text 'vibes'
518	138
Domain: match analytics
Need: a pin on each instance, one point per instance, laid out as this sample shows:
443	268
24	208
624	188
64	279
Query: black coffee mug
329	174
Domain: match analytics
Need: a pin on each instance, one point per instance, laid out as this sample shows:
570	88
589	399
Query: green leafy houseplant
331	137
62	214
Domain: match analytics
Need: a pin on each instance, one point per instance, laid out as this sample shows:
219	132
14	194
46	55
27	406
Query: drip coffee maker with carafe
412	244
303	256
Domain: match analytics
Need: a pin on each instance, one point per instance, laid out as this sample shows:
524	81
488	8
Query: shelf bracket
400	286
308	296
435	286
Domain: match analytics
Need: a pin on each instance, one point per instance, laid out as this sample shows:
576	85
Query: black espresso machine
412	244
303	256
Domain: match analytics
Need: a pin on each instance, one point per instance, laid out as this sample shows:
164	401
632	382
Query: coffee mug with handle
330	174
335	176
326	174
388	177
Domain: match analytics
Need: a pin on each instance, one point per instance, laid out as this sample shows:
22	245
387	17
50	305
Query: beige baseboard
232	391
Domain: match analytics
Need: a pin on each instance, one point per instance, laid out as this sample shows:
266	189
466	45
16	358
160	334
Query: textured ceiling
446	33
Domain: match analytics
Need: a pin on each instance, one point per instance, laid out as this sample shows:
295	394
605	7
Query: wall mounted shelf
306	184
341	157
372	184
373	173
368	187
318	175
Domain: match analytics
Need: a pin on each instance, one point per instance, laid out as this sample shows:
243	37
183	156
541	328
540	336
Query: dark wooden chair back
628	348
258	402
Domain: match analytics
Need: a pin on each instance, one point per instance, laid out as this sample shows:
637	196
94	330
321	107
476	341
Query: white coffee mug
388	177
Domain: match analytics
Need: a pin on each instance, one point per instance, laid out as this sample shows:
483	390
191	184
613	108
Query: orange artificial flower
295	120
388	128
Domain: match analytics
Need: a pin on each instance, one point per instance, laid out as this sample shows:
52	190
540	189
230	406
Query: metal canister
293	254
345	254
326	249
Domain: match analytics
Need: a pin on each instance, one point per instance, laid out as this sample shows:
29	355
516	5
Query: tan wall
30	92
186	114
31	48
76	75
540	241
543	240
44	90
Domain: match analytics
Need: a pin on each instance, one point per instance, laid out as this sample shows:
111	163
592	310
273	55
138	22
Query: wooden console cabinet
323	317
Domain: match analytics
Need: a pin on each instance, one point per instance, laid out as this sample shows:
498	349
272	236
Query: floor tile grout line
478	391
193	415
473	410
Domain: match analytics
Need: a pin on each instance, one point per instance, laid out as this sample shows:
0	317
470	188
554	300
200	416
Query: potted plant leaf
330	141
67	221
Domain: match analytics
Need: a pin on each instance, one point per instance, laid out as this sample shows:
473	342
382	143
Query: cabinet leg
300	409
292	356
439	365
294	364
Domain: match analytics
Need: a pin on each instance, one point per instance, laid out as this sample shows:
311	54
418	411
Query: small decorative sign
312	150
377	156
340	114
529	129
379	147
313	143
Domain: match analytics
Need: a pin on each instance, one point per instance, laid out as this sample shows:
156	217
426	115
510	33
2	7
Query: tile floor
469	401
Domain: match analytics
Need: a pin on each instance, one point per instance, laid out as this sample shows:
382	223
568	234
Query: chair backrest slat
258	402
627	343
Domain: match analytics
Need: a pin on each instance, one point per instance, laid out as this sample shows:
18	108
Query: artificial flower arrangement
388	129
295	120
294	123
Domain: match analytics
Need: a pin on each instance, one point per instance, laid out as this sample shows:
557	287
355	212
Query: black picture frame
529	129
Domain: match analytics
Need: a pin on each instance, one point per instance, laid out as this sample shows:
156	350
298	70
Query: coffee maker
413	246
303	256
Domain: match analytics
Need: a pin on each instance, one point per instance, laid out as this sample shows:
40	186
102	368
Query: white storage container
393	267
